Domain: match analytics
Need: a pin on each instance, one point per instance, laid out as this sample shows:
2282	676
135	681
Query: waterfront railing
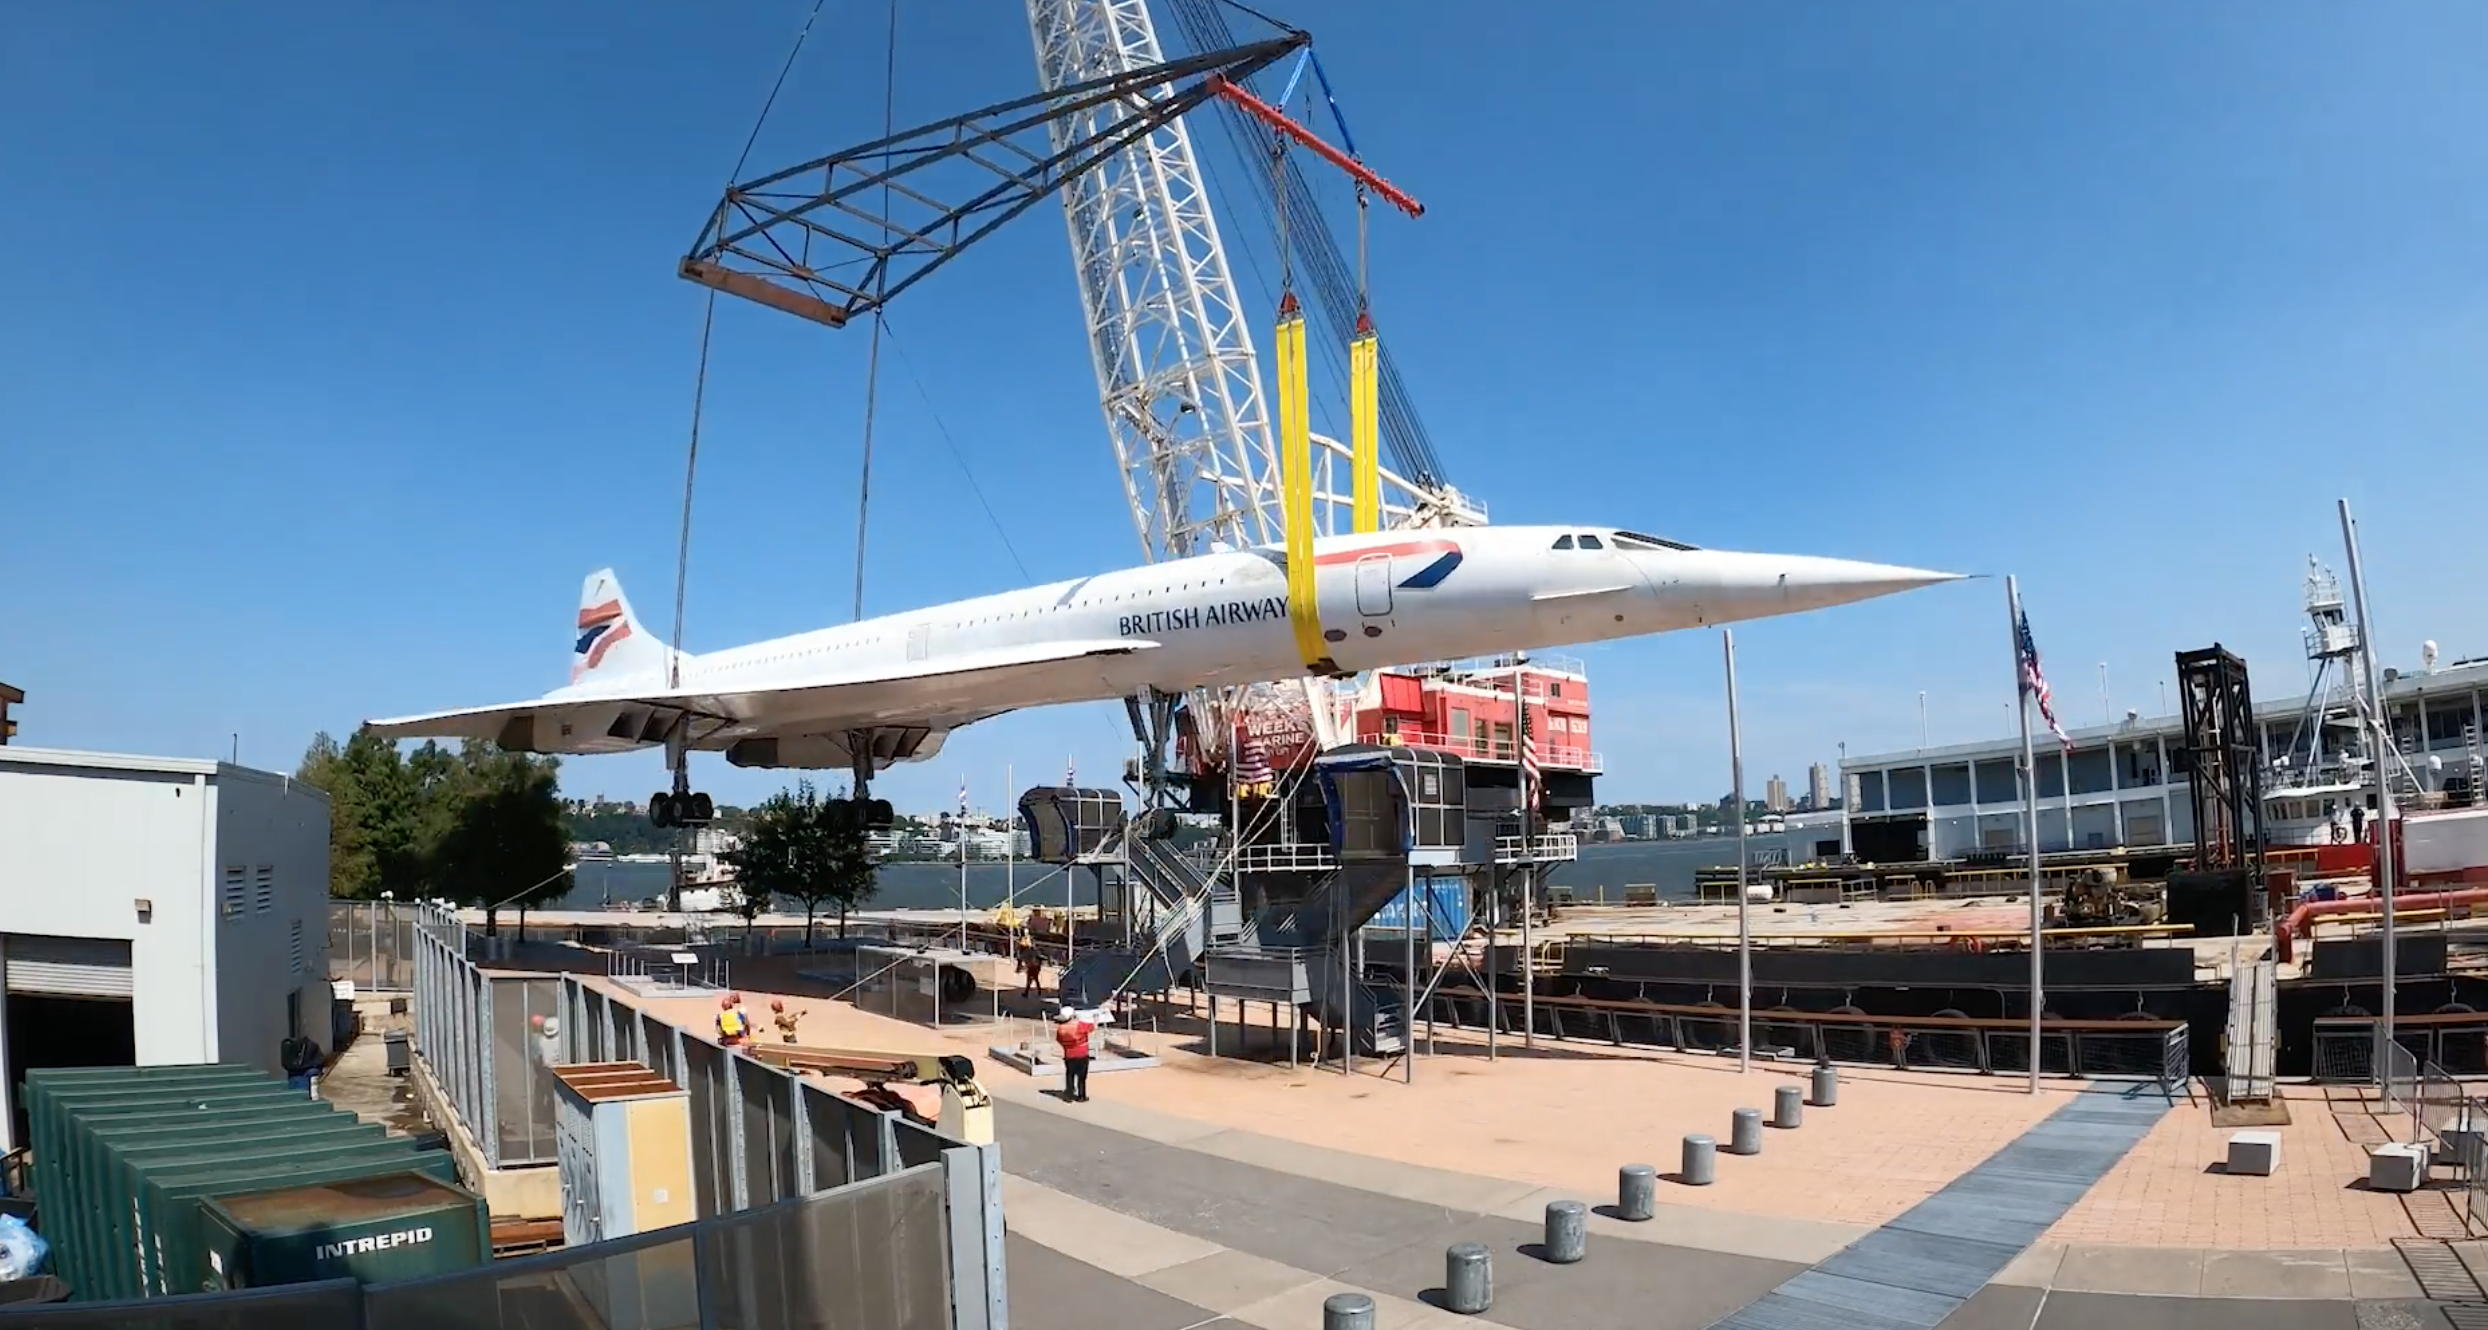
2146	1048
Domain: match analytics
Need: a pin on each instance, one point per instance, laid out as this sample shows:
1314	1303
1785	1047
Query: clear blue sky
338	342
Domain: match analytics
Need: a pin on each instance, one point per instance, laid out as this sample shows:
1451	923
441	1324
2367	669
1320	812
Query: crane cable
872	364
699	382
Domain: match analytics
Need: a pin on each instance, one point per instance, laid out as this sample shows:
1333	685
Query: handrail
1552	848
1569	757
2429	1018
1982	934
1791	1015
1291	857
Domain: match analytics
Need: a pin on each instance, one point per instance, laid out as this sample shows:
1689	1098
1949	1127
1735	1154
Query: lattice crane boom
837	237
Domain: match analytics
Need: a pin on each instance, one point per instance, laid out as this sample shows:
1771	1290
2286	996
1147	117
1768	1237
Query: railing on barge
1978	939
2150	1048
2453	1041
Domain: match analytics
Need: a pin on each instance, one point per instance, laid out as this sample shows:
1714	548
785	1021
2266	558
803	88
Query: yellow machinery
967	1111
2097	897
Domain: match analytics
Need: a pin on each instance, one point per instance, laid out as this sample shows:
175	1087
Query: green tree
377	831
798	844
501	840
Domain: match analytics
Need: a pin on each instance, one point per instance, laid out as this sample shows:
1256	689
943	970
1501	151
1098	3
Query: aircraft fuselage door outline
1373	586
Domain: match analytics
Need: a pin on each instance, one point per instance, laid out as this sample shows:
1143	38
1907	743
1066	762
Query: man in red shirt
1073	1034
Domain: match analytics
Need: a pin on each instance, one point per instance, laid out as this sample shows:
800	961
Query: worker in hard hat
1031	965
733	1027
785	1019
1073	1034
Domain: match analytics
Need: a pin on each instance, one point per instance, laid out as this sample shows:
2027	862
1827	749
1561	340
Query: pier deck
1232	1192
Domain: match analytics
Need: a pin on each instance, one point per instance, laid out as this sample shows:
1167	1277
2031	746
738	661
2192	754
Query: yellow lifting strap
1365	429
1296	491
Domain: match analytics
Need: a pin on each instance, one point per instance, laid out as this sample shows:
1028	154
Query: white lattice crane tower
1178	375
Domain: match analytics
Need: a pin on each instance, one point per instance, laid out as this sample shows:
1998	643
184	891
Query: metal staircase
1190	908
1302	953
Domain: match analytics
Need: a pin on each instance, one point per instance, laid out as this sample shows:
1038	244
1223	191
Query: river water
1601	869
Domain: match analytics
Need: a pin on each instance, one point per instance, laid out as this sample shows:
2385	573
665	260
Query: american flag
2034	682
1252	762
1529	759
963	796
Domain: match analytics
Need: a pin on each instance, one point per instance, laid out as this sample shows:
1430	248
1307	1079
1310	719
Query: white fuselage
1389	598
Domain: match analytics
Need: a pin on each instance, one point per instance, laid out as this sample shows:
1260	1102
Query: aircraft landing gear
681	807
873	814
685	809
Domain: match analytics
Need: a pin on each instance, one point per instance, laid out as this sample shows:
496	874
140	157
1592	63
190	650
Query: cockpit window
1564	542
1590	542
1634	540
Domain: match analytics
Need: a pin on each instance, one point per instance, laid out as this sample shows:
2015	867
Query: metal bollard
1347	1311
1567	1231
1636	1192
1826	1086
1745	1135
1787	1112
1701	1161
1468	1278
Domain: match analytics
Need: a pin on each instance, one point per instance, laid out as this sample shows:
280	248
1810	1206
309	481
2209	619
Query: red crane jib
1278	120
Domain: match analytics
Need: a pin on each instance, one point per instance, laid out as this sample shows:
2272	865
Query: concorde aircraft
869	694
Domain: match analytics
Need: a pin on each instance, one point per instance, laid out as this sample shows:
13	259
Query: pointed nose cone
1756	586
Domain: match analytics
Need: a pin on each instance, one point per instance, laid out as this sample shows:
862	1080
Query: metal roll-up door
67	966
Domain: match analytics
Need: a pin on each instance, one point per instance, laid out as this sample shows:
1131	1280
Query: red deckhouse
1469	707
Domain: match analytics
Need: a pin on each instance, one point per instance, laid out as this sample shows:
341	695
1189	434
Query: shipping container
59	1100
302	1135
168	1202
124	1159
381	1229
1443	917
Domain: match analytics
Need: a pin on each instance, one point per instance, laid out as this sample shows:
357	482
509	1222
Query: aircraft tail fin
611	643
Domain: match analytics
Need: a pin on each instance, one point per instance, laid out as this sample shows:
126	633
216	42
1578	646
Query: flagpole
1071	880
1744	910
1010	890
2382	755
963	864
1528	851
2030	818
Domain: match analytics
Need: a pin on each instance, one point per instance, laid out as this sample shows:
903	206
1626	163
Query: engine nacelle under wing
830	752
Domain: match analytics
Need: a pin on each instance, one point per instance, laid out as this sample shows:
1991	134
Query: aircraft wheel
703	809
661	810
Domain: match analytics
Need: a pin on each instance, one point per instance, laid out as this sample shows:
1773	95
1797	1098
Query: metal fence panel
700	1076
321	1306
658	1040
768	1141
872	1255
649	1282
524	1054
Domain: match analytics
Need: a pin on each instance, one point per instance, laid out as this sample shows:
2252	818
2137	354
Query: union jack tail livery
610	643
2034	683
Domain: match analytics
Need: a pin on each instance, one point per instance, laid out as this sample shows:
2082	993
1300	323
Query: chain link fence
372	944
2147	1049
491	1042
2344	1050
2445	1114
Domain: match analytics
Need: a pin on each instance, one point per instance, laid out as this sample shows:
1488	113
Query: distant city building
1818	787
1642	826
1775	794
